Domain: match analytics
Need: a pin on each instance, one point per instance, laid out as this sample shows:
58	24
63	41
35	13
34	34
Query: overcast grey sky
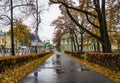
45	30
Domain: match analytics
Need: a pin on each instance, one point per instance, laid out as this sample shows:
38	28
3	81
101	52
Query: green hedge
109	60
12	61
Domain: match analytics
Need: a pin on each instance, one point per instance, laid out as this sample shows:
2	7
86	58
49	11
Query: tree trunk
106	45
81	33
72	38
12	34
74	42
98	46
71	42
94	46
76	38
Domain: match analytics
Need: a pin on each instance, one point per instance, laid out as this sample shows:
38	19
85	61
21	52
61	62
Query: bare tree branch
84	29
92	22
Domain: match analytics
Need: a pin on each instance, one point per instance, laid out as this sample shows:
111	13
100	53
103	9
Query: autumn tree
76	33
113	22
22	33
86	7
60	29
73	31
7	6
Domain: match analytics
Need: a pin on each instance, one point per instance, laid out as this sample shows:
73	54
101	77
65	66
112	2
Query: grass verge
19	72
114	76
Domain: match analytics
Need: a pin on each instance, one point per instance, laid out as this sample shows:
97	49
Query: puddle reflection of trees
36	80
59	69
72	67
58	61
35	77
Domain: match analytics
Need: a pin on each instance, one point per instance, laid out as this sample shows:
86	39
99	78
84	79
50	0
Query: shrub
109	60
77	54
12	61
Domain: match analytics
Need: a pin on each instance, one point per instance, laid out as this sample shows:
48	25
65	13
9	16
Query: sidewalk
62	69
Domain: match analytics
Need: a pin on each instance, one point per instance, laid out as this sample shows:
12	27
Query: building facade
5	40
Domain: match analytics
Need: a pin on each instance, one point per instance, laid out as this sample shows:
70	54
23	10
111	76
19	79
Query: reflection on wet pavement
61	69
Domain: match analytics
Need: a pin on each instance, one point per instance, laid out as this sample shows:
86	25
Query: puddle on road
59	69
58	64
55	67
56	71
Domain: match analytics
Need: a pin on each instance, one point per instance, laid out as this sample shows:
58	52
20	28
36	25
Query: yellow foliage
21	32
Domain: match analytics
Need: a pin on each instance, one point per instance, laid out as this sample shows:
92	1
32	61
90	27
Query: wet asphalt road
62	69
